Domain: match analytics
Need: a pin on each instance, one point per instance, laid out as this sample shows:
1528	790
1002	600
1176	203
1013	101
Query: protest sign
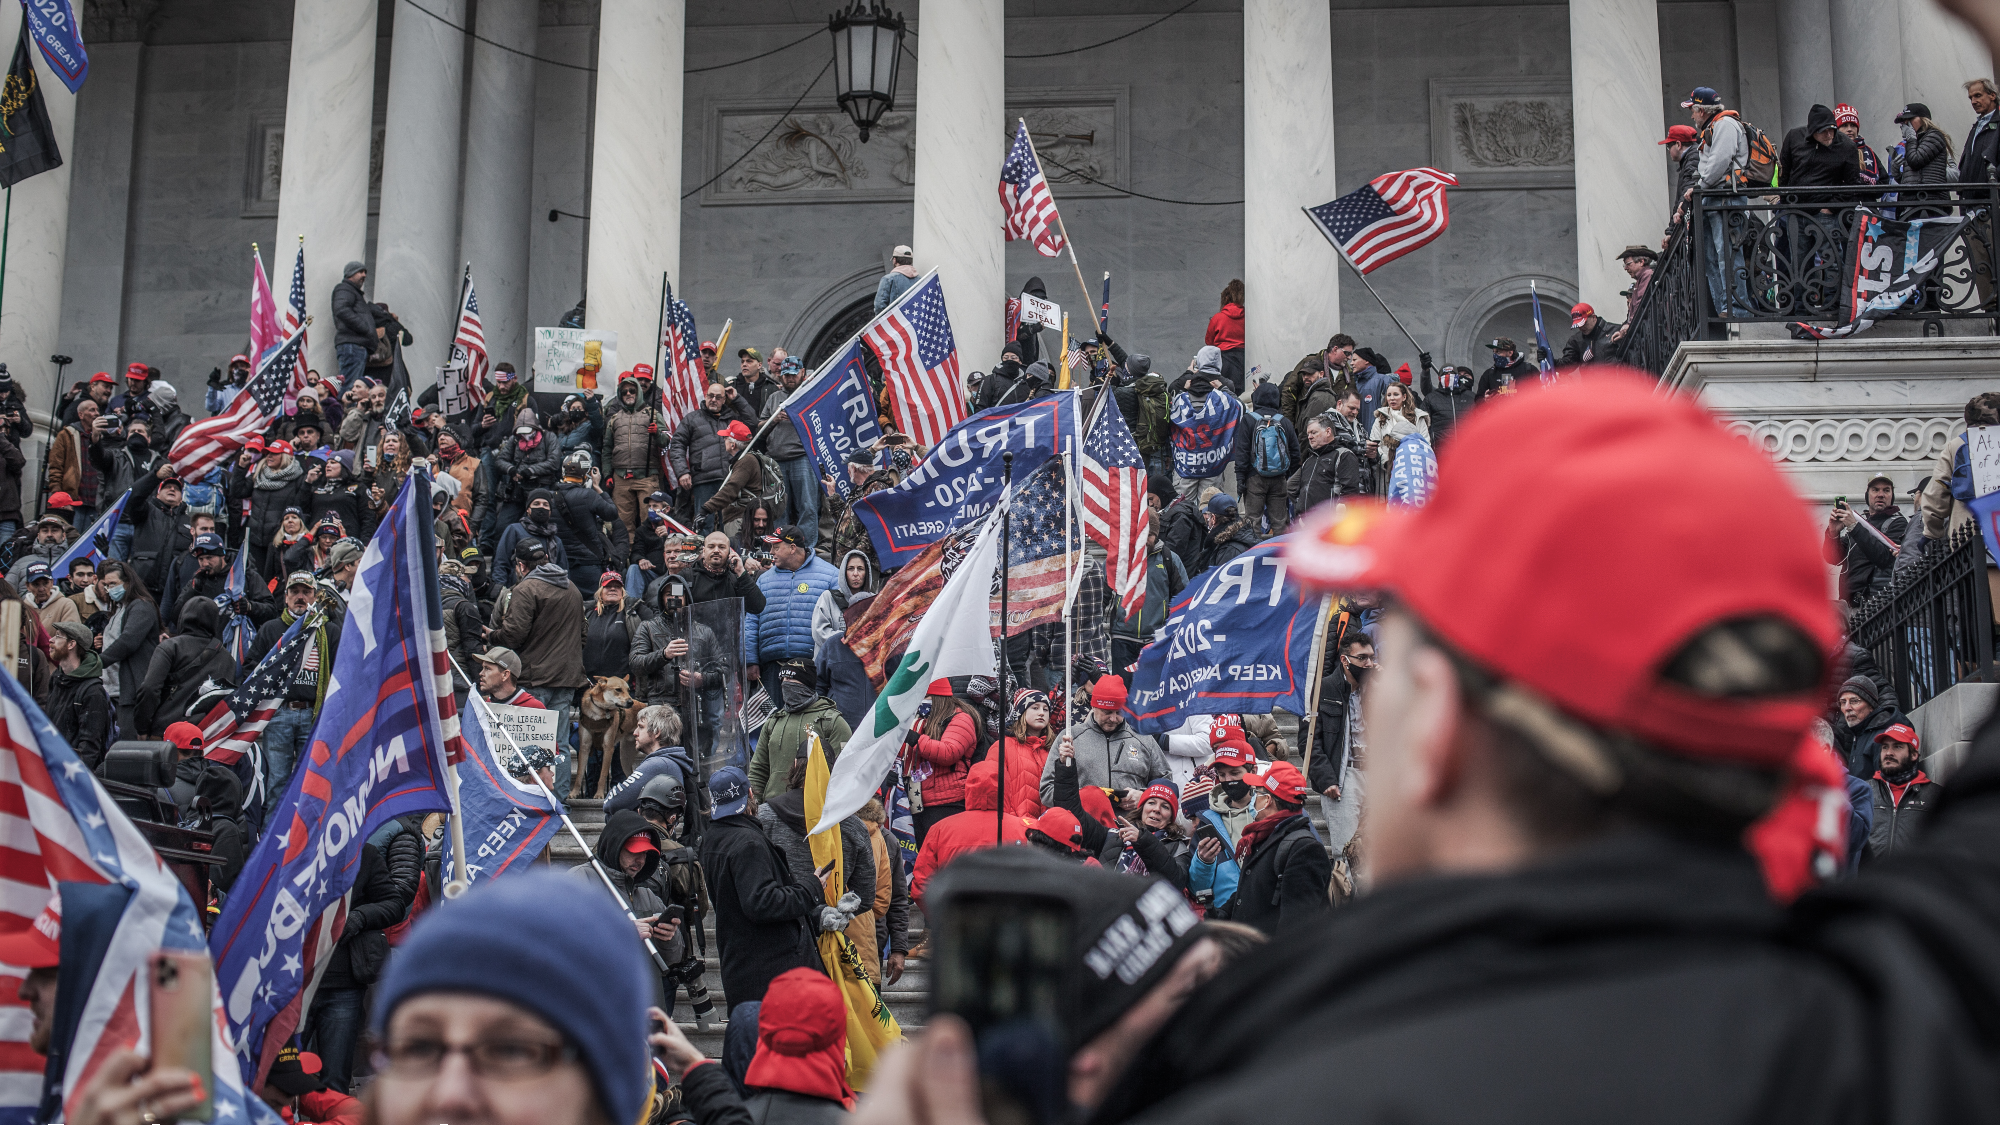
571	359
508	818
1034	310
1238	640
532	727
1982	448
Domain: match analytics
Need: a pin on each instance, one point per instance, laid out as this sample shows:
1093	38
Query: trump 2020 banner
834	414
1238	640
961	478
1204	433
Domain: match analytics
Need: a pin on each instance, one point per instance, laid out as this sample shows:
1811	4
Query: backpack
1760	170
771	494
1269	458
1155	427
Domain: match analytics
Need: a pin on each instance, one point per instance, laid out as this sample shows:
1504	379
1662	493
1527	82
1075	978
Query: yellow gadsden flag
870	1027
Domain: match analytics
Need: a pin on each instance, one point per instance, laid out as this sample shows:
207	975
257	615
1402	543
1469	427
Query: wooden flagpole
1067	242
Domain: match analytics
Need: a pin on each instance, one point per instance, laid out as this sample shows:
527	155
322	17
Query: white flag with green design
955	638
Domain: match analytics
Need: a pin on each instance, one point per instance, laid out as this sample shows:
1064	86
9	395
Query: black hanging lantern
867	51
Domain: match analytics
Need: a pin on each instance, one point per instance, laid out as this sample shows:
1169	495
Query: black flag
27	143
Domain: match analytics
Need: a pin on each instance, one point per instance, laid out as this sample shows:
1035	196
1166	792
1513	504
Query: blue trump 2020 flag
1238	640
834	413
960	480
53	25
88	545
1414	475
380	748
507	819
1204	432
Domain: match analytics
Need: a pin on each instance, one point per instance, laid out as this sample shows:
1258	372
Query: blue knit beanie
554	945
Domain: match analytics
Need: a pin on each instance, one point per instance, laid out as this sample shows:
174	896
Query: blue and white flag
1414	475
508	819
237	631
834	413
960	480
379	749
95	542
1544	355
1204	433
53	25
1239	639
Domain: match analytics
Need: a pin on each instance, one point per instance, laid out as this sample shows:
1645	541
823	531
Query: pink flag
264	331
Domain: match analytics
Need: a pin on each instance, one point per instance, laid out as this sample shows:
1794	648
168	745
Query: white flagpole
1068	243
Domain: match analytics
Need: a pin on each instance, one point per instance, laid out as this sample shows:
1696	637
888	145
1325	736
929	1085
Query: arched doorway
838	330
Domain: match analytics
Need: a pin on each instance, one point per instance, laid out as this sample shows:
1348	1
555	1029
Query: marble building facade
428	150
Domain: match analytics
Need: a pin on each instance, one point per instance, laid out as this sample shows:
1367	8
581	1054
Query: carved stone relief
1848	439
1503	133
117	21
264	164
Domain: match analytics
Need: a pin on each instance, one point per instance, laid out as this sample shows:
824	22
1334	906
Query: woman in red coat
1225	331
1027	751
938	752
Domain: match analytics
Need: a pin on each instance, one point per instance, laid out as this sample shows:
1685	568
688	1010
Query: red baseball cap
236	359
1578	313
61	500
611	578
1233	750
1675	508
279	446
40	945
254	441
736	430
185	736
642	372
1060	825
1284	781
102	377
1680	135
640	842
1097	803
136	371
1899	732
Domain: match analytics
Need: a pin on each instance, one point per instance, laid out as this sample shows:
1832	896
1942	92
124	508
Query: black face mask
797	697
1236	790
1358	673
538	516
137	443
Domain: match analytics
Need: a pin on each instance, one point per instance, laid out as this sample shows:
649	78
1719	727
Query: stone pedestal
1867	66
962	134
37	235
329	103
416	241
1946	724
499	175
1620	197
1805	66
1291	275
635	188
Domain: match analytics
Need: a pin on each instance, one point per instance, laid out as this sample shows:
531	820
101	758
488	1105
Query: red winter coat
949	758
967	831
1025	760
1225	329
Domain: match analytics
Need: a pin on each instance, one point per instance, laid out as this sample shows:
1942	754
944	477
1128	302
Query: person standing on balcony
1818	154
1866	555
1684	149
1725	152
1638	262
1926	159
1849	124
1977	166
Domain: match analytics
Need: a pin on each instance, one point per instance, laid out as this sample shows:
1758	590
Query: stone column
962	138
635	188
323	183
1867	65
1940	54
37	234
1805	65
416	265
499	174
1620	196
1291	276
93	286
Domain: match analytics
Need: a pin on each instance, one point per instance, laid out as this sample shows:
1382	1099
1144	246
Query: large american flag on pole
61	827
295	311
1394	214
1024	193
1113	476
468	348
684	379
1037	565
912	340
211	441
231	727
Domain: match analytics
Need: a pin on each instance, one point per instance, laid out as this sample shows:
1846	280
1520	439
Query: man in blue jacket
791	589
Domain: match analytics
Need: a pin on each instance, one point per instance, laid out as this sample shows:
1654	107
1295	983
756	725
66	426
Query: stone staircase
908	998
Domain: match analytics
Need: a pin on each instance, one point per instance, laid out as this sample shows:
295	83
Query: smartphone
674	914
1003	967
1206	830
181	990
1840	501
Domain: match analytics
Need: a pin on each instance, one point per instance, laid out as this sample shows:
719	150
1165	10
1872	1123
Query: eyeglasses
496	1058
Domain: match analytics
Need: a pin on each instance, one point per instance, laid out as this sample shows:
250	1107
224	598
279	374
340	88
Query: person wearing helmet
581	510
657	738
634	437
663	802
1596	812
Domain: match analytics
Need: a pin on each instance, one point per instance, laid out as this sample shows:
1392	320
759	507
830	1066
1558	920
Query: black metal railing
1783	257
1933	626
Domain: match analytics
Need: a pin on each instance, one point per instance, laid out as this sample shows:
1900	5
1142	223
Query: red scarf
1263	826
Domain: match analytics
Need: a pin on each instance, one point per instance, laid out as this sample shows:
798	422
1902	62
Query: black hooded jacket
1804	162
765	920
640	894
180	664
1634	978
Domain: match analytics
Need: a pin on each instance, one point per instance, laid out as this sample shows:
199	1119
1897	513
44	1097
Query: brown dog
607	714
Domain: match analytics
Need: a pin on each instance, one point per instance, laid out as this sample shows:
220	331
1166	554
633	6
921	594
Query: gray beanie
1865	688
163	394
351	268
1137	365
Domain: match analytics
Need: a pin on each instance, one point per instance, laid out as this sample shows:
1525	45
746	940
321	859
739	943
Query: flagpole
1068	244
1006	697
659	335
1062	380
1317	663
560	810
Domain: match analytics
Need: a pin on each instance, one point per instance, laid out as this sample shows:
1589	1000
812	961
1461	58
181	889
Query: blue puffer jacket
784	629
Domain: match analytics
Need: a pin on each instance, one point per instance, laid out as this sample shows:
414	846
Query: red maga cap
1284	781
40	945
1899	732
1580	535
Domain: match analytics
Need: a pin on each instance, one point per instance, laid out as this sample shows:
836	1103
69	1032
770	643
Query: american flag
884	628
1114	502
1037	565
295	313
63	828
211	441
231	727
913	342
468	346
1024	193
237	631
682	383
1396	213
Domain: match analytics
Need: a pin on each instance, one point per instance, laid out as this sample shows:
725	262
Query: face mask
538	515
797	696
1501	359
136	443
1359	673
1236	790
117	593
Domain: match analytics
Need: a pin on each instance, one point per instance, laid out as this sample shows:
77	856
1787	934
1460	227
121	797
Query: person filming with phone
1866	555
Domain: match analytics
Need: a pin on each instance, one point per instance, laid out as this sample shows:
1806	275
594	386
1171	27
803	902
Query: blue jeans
562	701
353	360
333	1028
1724	261
285	738
697	496
121	540
802	490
